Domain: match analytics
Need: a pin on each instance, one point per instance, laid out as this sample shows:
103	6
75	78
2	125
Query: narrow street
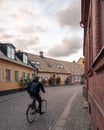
13	108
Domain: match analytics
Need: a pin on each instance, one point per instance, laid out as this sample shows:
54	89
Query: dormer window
49	65
10	52
24	58
60	66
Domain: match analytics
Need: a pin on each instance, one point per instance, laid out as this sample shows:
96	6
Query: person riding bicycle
37	87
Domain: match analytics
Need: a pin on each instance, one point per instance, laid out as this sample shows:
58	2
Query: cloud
70	16
6	36
29	30
23	44
69	46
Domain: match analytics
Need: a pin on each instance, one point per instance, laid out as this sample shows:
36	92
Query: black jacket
37	87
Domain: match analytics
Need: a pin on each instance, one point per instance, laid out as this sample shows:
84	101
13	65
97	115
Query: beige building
48	67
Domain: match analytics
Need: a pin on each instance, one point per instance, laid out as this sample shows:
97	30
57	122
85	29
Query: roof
56	66
16	61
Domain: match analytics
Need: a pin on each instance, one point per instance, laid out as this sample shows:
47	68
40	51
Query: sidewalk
74	116
77	118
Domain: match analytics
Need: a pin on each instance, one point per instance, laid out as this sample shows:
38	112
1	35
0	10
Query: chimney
41	54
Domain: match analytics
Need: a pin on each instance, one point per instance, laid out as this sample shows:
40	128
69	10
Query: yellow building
16	65
13	68
81	61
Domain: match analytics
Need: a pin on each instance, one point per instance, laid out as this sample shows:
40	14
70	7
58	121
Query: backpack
28	87
32	88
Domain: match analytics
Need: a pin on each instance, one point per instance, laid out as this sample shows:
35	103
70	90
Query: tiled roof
56	66
48	65
74	68
16	61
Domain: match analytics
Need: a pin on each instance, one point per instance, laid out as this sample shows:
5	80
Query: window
16	76
28	75
8	75
77	78
49	65
24	58
10	52
24	75
33	75
60	66
0	74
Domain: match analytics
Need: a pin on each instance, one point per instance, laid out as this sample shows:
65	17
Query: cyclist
36	87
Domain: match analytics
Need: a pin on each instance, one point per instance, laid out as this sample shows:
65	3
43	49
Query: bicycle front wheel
44	105
31	114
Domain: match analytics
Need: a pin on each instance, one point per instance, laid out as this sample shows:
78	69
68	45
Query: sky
51	26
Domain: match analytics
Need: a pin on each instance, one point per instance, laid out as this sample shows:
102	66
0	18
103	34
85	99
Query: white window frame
24	75
24	58
16	80
10	76
10	52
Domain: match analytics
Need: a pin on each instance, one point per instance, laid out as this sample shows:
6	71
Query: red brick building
93	23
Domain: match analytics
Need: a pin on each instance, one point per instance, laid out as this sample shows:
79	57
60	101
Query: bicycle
32	109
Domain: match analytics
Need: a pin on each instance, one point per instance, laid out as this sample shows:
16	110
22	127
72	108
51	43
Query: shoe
41	113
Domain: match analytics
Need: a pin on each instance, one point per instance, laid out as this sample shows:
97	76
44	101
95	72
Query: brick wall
94	64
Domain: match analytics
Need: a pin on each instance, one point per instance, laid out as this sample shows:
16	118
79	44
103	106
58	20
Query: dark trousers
38	98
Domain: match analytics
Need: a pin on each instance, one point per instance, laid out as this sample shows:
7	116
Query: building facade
17	65
93	23
13	67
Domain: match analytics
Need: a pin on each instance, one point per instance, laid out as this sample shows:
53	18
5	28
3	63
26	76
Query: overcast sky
51	26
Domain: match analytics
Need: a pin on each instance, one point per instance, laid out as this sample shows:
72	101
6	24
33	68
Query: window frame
16	79
8	77
10	52
24	75
25	58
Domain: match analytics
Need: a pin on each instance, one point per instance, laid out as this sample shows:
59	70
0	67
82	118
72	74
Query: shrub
23	82
51	81
67	81
58	80
43	81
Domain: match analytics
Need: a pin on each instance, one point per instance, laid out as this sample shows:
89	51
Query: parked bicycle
33	110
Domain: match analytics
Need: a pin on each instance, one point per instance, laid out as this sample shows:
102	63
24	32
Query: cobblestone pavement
13	109
77	118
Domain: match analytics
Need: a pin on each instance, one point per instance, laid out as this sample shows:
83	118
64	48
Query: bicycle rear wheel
31	114
44	105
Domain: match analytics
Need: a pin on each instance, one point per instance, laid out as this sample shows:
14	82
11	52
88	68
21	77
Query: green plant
58	80
88	128
23	82
43	81
51	81
67	81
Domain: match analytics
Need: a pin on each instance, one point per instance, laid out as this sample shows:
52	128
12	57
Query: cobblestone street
13	108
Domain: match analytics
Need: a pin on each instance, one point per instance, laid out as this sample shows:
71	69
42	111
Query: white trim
18	75
5	74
